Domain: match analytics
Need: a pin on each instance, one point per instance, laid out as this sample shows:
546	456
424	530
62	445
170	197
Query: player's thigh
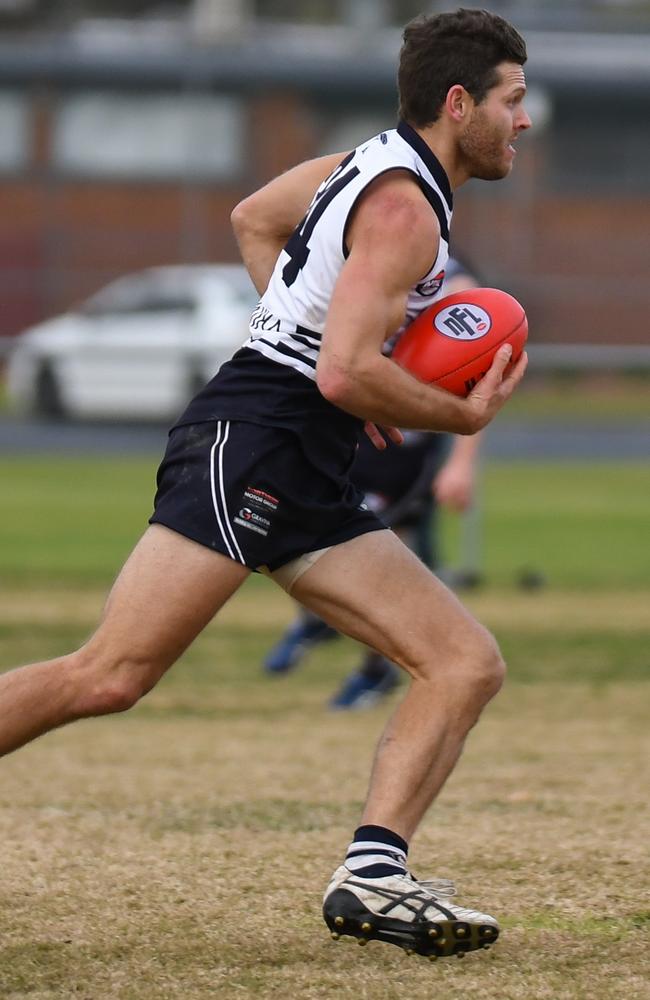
376	590
167	592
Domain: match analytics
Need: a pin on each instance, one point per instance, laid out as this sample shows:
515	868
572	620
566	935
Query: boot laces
444	887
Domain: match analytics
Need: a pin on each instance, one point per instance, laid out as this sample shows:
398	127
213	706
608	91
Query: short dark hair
461	47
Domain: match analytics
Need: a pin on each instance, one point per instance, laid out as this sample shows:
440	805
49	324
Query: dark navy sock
376	852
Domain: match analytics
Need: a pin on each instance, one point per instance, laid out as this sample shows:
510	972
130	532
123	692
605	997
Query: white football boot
416	916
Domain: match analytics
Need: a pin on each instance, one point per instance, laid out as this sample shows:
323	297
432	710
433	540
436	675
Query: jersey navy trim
436	204
308	341
279	350
284	348
432	162
307	337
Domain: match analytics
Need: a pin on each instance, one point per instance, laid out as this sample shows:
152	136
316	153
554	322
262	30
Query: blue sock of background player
307	631
373	679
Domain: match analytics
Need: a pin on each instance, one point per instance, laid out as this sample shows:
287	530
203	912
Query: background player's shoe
416	916
363	690
308	631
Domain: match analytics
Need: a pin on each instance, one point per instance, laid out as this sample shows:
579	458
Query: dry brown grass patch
563	610
181	851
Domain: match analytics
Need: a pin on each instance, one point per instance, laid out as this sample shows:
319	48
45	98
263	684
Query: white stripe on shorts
221	495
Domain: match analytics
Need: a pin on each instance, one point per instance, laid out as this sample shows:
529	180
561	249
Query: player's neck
444	147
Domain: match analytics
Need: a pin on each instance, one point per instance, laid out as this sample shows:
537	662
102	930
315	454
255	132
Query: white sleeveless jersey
288	323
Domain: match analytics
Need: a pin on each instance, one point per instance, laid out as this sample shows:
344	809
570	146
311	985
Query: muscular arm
263	222
393	240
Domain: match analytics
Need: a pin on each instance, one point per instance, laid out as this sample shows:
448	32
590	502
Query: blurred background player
404	485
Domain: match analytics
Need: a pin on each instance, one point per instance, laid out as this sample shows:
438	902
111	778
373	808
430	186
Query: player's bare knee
472	663
488	666
110	684
115	693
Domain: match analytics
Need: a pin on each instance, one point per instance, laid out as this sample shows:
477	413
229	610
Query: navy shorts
258	494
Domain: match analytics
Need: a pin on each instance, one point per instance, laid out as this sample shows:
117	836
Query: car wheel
48	393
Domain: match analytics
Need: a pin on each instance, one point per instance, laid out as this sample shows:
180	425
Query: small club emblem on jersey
432	286
463	321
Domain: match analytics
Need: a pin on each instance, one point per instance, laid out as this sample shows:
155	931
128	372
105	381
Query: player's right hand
495	388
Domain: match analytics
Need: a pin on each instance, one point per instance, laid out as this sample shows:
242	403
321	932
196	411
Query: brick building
116	154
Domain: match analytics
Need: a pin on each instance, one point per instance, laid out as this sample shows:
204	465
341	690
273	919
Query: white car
138	349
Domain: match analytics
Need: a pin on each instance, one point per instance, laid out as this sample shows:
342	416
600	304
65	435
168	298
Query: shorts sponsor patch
260	499
254	517
249	518
250	525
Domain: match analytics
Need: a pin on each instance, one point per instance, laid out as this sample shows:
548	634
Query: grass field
181	850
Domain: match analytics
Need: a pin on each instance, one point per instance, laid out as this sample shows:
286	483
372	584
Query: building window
14	131
156	136
340	130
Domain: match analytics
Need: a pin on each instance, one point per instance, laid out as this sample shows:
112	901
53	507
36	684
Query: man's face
494	124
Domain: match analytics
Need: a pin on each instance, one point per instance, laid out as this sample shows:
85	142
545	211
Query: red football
453	342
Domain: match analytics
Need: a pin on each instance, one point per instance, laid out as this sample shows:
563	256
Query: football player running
255	476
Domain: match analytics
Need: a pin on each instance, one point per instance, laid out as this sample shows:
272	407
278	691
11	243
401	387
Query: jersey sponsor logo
263	319
463	322
432	286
